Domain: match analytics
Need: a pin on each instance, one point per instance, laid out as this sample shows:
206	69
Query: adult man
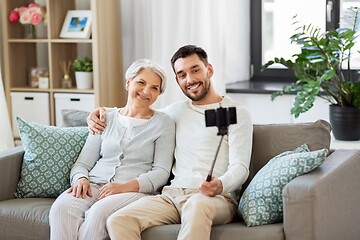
189	199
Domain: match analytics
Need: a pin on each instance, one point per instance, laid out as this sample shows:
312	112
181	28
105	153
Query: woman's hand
109	189
81	188
96	120
212	188
115	188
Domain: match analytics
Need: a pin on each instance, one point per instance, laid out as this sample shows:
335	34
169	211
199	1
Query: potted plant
83	68
319	69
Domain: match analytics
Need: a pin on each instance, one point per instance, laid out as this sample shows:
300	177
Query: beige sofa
323	204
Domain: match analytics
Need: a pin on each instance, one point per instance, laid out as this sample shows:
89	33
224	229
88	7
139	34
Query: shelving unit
48	50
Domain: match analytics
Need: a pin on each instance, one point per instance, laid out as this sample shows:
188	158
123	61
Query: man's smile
194	87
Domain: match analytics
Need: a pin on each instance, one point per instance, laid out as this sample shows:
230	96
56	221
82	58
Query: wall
260	105
235	46
265	111
155	29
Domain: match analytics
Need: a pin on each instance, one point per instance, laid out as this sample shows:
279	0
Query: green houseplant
83	68
83	65
319	69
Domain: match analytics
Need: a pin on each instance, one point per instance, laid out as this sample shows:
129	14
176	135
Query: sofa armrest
10	165
324	204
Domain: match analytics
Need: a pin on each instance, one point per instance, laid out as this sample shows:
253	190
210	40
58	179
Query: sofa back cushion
74	118
272	139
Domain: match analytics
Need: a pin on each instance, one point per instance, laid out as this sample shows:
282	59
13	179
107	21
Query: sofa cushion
231	231
261	202
49	154
26	218
74	118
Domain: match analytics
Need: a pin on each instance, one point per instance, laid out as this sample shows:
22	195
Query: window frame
278	75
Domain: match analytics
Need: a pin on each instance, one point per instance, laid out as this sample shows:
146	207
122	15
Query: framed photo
77	24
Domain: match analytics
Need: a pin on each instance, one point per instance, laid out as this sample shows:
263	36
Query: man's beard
204	92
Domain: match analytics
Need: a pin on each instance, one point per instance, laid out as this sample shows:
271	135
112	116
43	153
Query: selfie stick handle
208	178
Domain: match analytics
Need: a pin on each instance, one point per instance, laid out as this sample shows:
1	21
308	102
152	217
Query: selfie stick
208	178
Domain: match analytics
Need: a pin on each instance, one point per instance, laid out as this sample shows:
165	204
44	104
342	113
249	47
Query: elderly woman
130	159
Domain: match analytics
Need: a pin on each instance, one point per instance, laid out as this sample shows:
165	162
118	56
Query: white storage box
84	102
30	106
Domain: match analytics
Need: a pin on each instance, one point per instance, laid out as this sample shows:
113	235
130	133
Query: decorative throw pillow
49	154
261	202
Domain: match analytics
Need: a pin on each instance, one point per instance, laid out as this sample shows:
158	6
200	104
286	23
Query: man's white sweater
196	145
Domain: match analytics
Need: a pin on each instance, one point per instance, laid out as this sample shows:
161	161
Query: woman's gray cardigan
147	157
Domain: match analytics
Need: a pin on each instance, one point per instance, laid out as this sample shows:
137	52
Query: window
355	59
271	26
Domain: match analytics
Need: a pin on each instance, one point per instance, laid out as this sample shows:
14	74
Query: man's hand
81	188
96	121
212	188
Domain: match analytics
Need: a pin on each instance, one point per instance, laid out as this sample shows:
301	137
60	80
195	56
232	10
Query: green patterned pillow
261	202
49	154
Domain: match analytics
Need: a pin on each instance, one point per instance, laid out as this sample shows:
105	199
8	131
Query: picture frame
77	24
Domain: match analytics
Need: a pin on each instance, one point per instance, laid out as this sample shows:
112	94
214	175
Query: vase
30	31
66	81
84	80
345	122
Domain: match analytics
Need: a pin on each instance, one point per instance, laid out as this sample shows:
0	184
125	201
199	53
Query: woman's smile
143	97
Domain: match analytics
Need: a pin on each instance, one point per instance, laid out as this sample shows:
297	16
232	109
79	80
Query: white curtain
6	137
155	29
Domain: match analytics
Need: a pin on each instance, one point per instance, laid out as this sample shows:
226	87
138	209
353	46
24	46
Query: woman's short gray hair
141	64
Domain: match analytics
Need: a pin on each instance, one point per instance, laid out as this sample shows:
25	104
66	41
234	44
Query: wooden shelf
71	40
20	55
28	89
73	90
28	40
54	90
